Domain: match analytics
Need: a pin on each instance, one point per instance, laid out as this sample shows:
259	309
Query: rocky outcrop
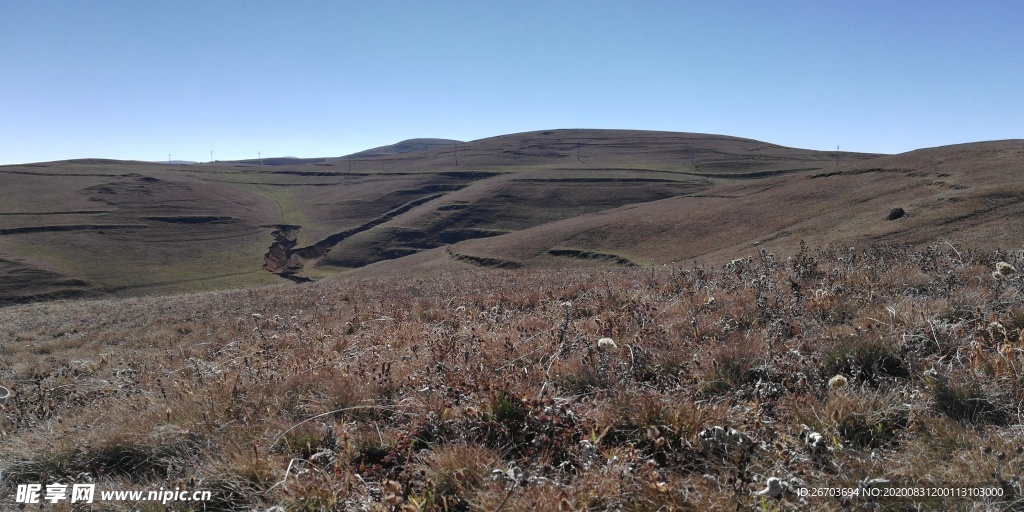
280	259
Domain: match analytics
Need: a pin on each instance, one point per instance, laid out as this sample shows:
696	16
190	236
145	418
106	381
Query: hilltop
405	146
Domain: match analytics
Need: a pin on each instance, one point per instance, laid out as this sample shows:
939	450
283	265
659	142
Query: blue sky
144	79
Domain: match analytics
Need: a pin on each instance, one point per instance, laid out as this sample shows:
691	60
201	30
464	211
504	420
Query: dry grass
489	391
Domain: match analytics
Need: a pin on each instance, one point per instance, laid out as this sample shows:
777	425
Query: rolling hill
548	198
405	146
968	194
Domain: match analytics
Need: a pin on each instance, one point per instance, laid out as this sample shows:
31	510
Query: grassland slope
496	390
101	227
966	194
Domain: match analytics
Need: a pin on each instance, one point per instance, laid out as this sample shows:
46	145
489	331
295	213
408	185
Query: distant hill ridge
405	146
399	148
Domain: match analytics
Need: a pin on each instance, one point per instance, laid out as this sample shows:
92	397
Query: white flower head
774	488
606	344
815	442
718	437
1003	269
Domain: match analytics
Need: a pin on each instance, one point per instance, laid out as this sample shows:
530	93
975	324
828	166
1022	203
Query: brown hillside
559	197
555	175
968	194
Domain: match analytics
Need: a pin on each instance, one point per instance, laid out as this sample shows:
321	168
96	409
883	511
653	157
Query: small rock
896	213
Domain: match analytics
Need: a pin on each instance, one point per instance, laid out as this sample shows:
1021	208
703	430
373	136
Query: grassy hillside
100	227
492	390
97	227
967	194
557	198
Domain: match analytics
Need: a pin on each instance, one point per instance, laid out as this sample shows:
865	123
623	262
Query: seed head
837	382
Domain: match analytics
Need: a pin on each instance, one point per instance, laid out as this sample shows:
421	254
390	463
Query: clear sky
144	79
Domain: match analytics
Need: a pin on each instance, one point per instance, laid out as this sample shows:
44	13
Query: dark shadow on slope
481	261
21	283
282	259
593	256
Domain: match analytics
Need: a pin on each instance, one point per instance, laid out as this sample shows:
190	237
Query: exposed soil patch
30	173
191	219
284	260
854	172
278	260
470	175
265	184
482	261
313	173
451	236
452	207
82	212
593	256
69	227
754	174
597	180
427	189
